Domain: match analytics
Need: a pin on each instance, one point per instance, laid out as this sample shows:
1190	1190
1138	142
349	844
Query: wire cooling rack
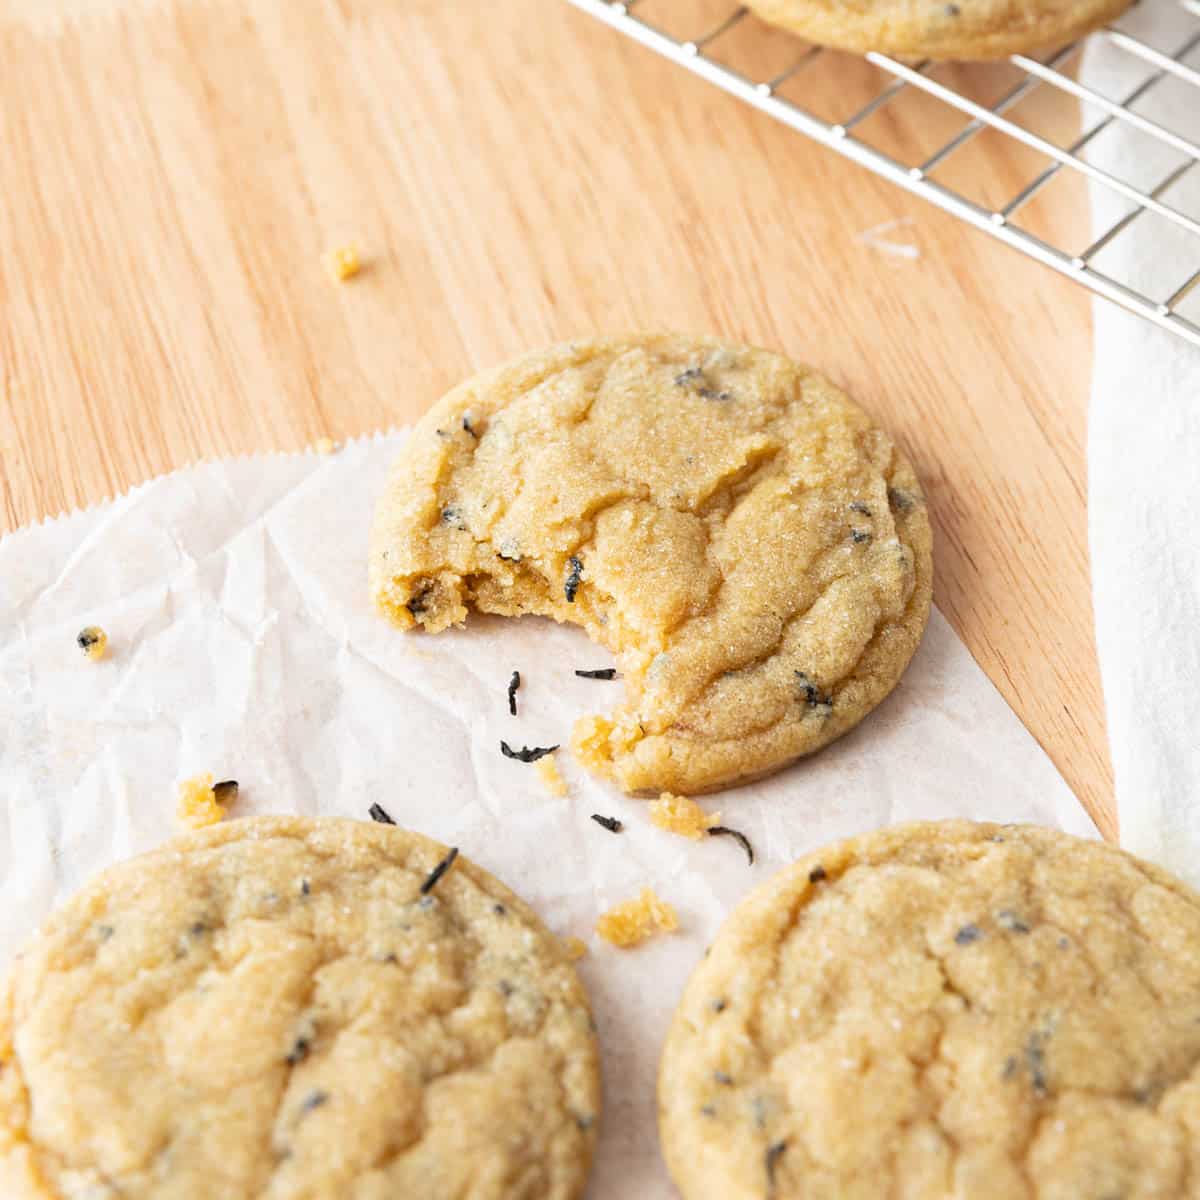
979	105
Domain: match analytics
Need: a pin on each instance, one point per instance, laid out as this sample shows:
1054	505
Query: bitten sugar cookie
734	529
944	1009
284	1007
964	29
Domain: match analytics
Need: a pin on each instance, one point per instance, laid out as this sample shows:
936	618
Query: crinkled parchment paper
242	643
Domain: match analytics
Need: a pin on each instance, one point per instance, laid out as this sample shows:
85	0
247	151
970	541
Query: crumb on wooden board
343	262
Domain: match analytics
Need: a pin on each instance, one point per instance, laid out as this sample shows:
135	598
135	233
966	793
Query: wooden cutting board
171	172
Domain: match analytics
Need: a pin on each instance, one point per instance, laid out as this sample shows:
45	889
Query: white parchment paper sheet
242	643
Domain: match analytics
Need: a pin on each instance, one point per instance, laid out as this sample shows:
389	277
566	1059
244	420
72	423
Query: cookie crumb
93	641
575	948
633	921
325	446
679	814
513	684
612	824
550	777
201	802
343	262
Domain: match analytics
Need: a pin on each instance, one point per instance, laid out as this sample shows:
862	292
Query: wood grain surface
514	173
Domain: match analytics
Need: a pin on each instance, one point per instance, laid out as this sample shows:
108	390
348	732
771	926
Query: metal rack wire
780	94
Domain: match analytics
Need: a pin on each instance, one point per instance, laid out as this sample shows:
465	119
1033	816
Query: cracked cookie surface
944	1010
964	29
754	552
273	1008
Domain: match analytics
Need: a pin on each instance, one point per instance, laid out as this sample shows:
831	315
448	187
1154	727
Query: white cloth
1144	464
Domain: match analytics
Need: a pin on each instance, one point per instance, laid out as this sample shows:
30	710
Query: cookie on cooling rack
294	1007
754	551
944	1009
962	29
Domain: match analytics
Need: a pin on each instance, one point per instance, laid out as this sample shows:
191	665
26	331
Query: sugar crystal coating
944	1009
272	1008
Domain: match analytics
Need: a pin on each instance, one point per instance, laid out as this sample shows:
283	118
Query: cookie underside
751	549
